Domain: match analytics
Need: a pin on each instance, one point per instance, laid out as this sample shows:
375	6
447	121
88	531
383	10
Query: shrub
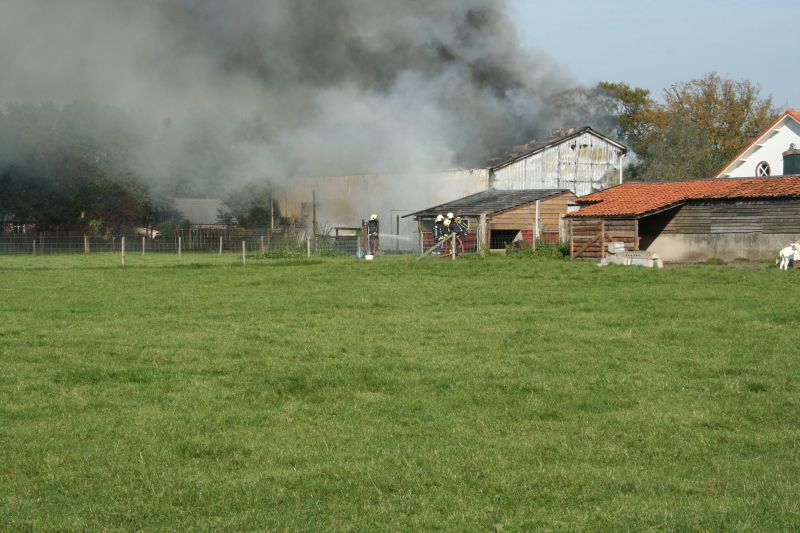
555	250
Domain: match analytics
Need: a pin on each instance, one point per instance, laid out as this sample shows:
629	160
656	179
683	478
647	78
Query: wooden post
537	229
220	245
453	245
308	244
602	239
122	252
244	254
34	246
180	242
262	244
571	241
143	244
113	245
636	234
397	238
85	243
421	239
484	238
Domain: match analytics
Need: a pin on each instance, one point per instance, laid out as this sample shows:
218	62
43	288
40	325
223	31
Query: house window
762	169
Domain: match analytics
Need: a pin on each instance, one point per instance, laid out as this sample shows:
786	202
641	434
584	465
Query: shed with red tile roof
691	220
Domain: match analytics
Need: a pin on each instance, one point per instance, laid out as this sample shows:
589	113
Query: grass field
486	395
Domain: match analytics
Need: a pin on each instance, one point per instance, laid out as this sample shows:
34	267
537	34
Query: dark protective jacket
373	228
439	231
459	226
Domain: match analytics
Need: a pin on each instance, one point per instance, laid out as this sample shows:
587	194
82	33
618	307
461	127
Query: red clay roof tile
634	199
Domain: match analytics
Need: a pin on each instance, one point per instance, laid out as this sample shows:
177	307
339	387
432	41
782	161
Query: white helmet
374	216
447	222
439	218
450	216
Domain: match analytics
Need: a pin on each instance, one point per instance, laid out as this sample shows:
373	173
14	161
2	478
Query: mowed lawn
496	394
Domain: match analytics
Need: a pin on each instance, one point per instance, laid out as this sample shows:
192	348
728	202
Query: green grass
480	395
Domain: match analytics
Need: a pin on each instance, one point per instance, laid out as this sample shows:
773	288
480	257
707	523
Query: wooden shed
691	220
498	218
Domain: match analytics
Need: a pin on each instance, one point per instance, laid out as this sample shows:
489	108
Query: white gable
767	148
583	164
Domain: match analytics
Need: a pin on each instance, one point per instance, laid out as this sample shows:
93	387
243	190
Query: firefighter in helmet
373	231
447	223
439	230
457	227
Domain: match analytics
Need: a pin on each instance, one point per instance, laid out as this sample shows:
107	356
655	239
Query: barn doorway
500	238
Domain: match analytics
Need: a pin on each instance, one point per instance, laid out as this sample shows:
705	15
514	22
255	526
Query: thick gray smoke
274	89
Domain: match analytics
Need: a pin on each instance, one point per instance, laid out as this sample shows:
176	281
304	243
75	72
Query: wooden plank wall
763	216
522	218
589	236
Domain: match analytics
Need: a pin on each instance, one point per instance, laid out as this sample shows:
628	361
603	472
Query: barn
690	220
498	218
582	161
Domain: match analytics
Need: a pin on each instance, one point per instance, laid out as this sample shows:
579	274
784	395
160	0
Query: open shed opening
500	238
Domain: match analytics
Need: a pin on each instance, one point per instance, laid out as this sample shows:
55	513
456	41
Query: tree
698	128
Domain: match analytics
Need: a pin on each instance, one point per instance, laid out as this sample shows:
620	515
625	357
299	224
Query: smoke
231	92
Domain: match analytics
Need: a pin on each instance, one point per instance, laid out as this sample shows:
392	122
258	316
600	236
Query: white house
764	156
582	161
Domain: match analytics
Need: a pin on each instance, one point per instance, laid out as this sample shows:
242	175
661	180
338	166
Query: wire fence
283	242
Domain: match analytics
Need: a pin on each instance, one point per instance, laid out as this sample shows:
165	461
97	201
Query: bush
554	250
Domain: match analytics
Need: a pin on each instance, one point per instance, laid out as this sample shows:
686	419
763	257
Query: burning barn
498	218
582	161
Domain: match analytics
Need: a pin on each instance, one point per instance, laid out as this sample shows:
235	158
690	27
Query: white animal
788	255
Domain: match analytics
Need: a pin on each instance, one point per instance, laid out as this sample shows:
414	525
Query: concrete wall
694	247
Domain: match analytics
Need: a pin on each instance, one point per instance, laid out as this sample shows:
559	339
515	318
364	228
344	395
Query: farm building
582	161
501	217
763	157
691	220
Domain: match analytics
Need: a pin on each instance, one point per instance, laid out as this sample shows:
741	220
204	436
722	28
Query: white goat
788	255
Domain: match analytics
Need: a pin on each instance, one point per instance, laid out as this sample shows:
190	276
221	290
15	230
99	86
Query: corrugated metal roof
636	199
488	202
535	148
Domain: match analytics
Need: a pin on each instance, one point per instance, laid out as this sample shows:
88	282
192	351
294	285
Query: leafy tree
698	128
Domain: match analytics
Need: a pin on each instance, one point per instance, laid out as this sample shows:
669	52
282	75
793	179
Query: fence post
453	246
113	245
34	246
122	252
244	255
143	244
85	243
220	245
180	242
308	244
262	244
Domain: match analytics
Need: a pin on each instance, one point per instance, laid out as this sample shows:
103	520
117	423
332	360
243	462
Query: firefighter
446	235
439	230
458	228
373	230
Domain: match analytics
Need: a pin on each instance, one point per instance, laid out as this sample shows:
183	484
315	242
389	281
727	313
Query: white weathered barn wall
583	165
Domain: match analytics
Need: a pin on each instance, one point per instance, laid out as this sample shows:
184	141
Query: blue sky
653	44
